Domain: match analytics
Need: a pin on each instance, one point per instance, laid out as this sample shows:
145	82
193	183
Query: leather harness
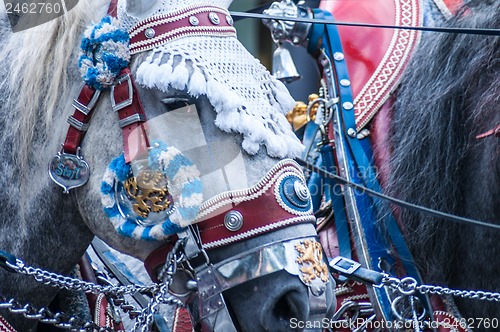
275	202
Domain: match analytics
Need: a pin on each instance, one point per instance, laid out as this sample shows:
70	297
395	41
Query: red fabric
375	57
453	5
182	321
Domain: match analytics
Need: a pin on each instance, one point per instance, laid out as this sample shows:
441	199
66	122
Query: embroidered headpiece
246	97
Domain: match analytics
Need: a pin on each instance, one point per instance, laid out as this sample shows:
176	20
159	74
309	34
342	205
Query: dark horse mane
449	95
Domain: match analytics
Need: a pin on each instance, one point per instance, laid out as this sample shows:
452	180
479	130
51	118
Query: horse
446	101
237	150
434	137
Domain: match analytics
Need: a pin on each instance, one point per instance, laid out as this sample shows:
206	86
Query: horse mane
449	95
41	64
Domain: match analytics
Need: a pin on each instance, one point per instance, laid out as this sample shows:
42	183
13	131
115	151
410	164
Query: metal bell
283	66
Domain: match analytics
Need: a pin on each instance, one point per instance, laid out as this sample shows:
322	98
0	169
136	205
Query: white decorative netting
247	98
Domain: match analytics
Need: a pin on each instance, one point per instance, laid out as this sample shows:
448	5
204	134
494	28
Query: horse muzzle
300	257
280	207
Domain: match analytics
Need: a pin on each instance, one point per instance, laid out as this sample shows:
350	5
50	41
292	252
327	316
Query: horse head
218	133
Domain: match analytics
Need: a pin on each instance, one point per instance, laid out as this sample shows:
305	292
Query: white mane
40	70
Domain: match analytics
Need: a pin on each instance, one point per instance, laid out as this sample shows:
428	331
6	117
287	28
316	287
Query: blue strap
359	157
315	181
338	204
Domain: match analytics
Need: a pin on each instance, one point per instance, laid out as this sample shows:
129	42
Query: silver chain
65	282
46	316
471	294
144	318
408	286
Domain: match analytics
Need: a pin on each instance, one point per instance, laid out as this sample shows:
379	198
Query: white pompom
164	75
197	83
180	76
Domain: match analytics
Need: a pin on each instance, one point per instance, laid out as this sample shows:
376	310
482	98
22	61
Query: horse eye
171	104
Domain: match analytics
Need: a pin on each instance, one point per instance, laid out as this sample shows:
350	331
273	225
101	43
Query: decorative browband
279	200
192	21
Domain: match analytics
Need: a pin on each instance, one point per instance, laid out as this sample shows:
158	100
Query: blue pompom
114	63
86	45
106	59
106	188
122	169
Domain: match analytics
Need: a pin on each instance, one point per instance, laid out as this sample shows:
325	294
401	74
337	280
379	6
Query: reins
398	202
468	31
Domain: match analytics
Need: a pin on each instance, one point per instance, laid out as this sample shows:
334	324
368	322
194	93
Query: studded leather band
192	21
279	200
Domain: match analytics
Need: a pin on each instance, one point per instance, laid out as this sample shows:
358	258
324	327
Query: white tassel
283	97
180	76
145	74
197	83
214	89
228	121
164	75
249	146
222	98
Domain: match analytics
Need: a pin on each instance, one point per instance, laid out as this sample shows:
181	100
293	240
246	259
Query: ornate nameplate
68	171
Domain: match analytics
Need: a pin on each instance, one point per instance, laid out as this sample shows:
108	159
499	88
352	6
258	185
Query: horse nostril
290	305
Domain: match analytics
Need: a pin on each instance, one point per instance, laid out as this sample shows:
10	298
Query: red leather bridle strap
79	121
125	100
113	9
84	105
192	21
157	258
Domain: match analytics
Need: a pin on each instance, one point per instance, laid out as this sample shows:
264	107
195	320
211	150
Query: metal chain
65	282
408	286
58	319
145	319
479	295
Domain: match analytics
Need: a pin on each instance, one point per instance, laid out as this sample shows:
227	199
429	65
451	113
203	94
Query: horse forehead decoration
246	97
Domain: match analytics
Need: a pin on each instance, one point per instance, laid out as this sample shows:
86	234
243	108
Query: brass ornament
298	116
311	261
149	191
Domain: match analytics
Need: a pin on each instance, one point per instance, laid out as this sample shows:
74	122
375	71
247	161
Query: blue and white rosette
184	185
104	52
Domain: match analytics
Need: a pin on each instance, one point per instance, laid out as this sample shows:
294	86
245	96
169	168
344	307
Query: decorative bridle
190	247
281	197
279	200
